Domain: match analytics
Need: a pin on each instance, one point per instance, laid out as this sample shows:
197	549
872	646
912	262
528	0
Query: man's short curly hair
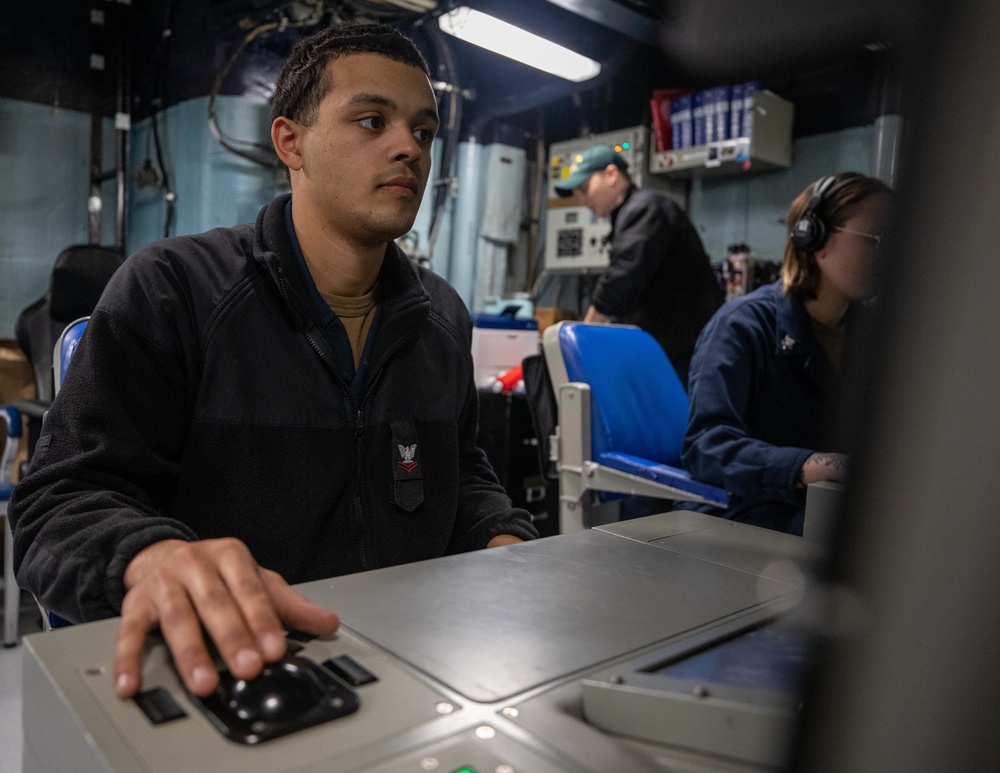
305	80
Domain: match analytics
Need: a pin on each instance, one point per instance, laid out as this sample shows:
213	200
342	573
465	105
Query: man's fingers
254	625
142	613
181	629
129	644
216	584
180	594
295	609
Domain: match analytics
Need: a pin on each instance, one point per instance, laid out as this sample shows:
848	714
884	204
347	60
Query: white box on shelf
499	343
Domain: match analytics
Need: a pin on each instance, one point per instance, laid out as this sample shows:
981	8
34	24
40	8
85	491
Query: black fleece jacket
204	401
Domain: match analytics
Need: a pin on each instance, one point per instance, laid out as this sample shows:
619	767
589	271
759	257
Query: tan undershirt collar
356	315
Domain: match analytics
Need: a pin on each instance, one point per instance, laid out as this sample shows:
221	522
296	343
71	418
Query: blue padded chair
622	417
79	275
11	417
14	430
66	345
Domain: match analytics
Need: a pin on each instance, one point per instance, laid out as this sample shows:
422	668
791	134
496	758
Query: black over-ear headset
810	232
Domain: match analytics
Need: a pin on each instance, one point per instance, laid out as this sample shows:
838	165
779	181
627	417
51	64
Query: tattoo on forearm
837	461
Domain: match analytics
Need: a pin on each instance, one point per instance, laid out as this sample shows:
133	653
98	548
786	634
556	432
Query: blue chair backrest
65	348
13	430
637	403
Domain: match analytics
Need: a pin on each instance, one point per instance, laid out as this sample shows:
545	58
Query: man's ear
286	136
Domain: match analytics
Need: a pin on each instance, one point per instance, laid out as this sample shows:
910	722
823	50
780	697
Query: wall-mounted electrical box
574	237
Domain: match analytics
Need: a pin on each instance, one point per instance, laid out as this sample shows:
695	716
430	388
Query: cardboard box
17	382
549	315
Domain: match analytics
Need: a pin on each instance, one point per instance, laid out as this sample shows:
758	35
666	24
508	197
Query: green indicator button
466	769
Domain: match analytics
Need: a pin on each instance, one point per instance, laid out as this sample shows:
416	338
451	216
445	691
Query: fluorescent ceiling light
502	38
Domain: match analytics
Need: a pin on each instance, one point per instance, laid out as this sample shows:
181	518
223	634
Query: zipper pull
359	424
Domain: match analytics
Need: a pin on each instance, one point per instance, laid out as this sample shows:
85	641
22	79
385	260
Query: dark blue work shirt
762	393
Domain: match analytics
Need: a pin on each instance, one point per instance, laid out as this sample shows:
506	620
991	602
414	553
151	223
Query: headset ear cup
801	234
821	233
809	233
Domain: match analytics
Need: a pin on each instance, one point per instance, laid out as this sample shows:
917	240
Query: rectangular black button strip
348	669
300	636
159	706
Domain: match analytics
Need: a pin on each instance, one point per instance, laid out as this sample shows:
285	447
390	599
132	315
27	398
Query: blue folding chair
14	430
62	353
622	417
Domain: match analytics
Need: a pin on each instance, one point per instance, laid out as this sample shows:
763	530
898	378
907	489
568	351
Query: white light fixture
507	40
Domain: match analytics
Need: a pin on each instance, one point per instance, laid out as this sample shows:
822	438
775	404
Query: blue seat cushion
663	473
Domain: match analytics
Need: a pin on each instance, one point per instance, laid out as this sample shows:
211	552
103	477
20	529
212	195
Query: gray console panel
480	658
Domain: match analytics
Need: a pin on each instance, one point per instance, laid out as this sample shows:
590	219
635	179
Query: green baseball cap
586	163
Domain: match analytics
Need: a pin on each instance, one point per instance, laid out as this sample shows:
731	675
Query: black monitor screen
769	658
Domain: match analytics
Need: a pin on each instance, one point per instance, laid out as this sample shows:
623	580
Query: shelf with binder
767	145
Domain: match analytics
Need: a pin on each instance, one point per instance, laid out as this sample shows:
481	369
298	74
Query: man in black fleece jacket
269	404
659	276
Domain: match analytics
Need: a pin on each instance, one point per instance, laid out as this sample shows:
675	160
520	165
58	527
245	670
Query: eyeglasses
876	239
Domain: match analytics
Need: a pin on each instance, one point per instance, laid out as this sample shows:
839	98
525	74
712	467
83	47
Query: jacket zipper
359	515
358	433
359	428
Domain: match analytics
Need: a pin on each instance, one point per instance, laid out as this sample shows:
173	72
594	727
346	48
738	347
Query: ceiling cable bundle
295	15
